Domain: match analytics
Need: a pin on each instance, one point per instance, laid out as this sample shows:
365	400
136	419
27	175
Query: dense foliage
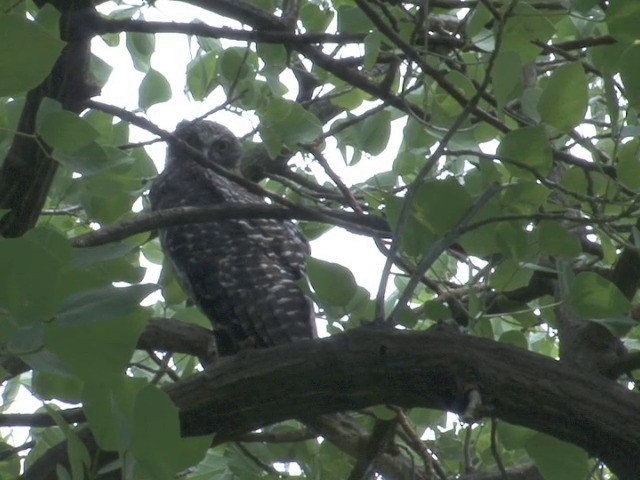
507	216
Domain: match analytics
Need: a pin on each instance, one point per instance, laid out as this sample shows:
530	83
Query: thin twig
494	449
424	172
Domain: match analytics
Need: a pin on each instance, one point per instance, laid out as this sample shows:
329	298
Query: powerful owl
242	273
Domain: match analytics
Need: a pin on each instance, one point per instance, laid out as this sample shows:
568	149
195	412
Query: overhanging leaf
31	269
96	348
103	303
529	147
151	436
333	283
66	130
593	296
564	99
28	51
623	17
154	88
557	460
440	204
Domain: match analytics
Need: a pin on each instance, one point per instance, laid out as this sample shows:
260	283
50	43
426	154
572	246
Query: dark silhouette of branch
380	439
357	223
431	369
288	436
28	169
100	26
72	415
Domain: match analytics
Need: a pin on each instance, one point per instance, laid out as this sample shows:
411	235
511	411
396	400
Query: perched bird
242	273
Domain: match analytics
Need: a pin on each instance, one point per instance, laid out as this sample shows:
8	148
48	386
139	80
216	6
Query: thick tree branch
431	369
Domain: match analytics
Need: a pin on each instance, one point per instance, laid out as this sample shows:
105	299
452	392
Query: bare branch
353	222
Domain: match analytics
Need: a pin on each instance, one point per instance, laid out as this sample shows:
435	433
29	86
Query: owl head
215	141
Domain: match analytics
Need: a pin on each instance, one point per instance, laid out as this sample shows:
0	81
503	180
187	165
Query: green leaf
447	107
515	338
629	164
49	18
522	28
103	303
275	56
201	75
87	160
209	44
50	386
156	429
509	275
96	348
372	44
407	164
352	19
31	270
557	460
287	123
96	267
593	296
555	240
415	236
513	437
334	284
512	240
530	99
99	70
154	88
383	412
507	77
91	255
529	147
66	131
141	46
630	74
315	19
10	466
106	197
524	197
575	179
440	204
374	132
623	18
565	97
236	63
28	51
351	98
415	136
79	458
584	6
478	20
109	410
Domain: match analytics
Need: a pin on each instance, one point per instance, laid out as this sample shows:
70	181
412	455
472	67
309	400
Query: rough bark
429	369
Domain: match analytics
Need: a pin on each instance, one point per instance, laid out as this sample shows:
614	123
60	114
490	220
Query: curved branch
432	369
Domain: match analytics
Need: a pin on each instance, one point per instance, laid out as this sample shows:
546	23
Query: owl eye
221	146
